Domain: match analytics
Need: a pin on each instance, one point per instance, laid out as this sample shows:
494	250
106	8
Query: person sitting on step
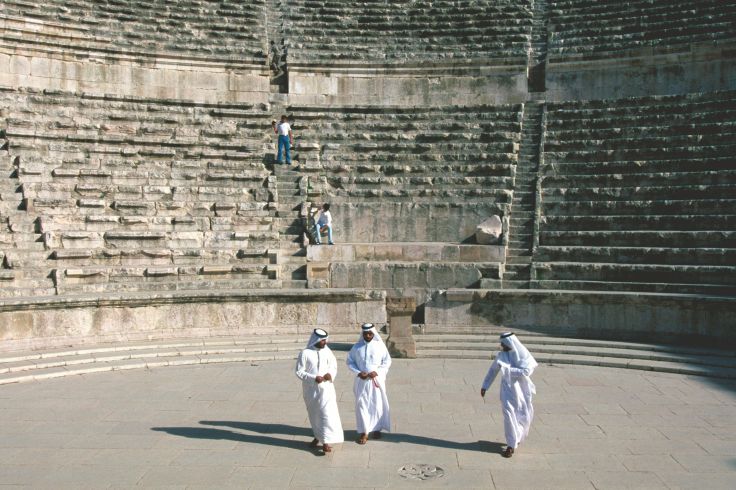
323	224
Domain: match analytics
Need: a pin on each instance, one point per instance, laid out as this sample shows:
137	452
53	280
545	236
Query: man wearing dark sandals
369	360
516	365
316	366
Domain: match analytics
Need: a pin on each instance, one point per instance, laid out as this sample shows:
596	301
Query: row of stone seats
227	28
112	206
597	29
394	31
448	154
443	169
639	194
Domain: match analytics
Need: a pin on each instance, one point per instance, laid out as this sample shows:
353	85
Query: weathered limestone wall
407	85
55	57
54	322
421	266
649	71
621	316
410	222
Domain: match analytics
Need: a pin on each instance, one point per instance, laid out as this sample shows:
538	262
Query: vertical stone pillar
400	340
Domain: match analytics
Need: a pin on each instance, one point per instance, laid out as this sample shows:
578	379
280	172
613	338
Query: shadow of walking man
273	430
229	435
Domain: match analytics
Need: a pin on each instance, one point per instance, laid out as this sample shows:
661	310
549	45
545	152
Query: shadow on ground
290	430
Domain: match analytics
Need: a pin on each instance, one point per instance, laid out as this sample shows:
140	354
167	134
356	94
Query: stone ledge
693	319
96	48
405	252
456	67
194	296
663	54
563	295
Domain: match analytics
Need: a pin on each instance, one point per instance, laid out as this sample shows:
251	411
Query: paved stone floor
245	426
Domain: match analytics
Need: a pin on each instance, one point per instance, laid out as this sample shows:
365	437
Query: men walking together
516	365
317	368
369	360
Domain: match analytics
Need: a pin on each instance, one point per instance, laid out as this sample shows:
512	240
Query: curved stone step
558	350
35	366
642	365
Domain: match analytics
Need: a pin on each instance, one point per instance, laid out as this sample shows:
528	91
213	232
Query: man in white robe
316	366
515	365
369	360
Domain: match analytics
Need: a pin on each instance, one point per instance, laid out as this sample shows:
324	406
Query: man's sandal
327	448
508	452
362	439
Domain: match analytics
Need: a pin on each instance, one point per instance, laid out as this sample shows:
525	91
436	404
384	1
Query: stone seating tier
698	277
600	29
639	255
633	192
682	222
635	167
119	190
422	155
194	26
331	31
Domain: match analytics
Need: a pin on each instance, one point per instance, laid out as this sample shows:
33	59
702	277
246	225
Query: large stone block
489	231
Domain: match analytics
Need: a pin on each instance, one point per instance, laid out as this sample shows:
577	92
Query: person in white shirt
369	360
316	366
286	138
323	223
516	365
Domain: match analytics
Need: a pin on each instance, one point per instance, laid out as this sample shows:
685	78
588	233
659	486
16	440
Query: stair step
19	367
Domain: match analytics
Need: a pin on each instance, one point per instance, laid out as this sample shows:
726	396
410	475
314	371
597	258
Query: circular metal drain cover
421	471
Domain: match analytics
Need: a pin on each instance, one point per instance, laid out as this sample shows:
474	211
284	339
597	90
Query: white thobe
516	397
320	398
371	400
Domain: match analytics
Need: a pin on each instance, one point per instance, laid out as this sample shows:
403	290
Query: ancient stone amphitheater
144	222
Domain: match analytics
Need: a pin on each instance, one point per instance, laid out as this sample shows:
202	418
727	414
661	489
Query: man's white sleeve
491	374
301	365
351	363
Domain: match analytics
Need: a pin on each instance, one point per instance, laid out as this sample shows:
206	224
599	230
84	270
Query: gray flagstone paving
243	425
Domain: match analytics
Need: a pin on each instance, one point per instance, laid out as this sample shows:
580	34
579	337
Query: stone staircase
467	343
290	224
18	367
538	47
278	51
517	270
483	343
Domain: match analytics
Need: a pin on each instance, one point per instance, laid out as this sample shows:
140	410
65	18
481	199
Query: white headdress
369	327
520	356
317	335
